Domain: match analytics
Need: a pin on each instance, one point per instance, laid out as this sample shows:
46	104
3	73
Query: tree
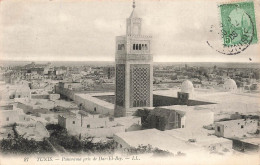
142	149
20	145
100	147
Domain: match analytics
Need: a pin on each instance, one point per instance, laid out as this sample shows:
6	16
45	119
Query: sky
85	30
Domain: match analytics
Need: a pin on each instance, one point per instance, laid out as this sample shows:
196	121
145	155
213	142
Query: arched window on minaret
133	46
145	47
136	46
139	46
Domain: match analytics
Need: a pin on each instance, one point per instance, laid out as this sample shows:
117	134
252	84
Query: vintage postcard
129	82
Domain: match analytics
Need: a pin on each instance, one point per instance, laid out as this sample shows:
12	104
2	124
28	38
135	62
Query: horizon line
114	61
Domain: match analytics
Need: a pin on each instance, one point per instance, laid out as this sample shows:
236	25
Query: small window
133	46
134	103
88	126
121	146
73	122
7	119
95	109
242	126
121	47
137	103
218	129
182	126
141	103
238	123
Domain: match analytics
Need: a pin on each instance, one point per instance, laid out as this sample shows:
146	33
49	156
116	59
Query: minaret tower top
133	23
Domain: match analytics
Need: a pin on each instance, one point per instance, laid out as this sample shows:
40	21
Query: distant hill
212	64
112	63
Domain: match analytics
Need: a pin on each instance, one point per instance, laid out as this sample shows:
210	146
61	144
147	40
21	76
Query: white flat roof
172	140
223	97
170	92
185	108
201	135
234	121
244	103
214	96
156	138
96	100
101	94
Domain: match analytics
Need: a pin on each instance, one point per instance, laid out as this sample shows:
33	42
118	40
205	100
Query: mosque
134	89
134	82
174	114
134	73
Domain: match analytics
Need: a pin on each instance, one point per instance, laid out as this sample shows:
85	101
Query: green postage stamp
238	23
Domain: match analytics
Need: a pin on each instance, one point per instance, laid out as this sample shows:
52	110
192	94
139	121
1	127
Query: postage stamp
238	23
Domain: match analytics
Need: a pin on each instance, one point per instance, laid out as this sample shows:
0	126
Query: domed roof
230	84
187	87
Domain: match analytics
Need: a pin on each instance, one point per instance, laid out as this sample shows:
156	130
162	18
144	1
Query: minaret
134	68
